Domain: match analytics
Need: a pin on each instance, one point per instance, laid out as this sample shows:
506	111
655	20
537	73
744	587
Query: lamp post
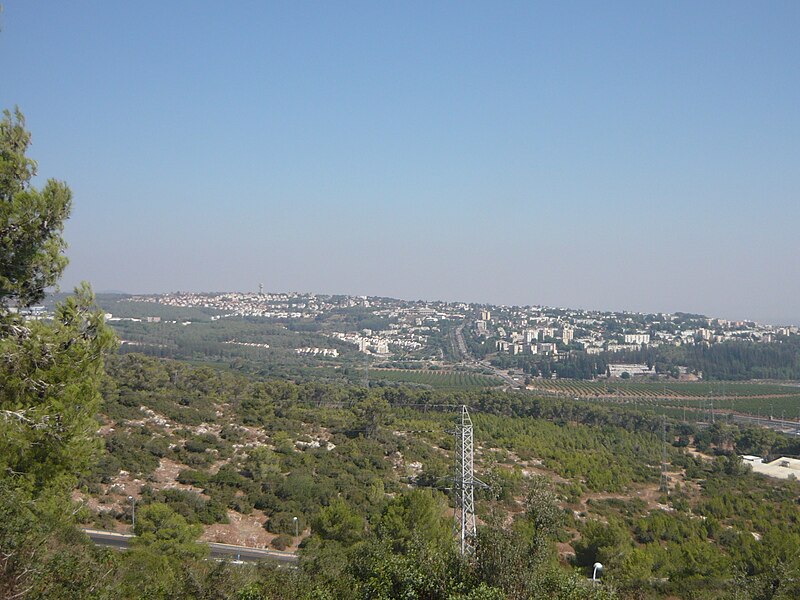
295	526
132	500
598	568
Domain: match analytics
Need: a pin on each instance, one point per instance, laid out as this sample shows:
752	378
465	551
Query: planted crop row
438	379
665	390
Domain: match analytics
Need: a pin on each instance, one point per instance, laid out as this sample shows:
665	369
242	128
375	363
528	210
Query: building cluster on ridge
406	326
543	330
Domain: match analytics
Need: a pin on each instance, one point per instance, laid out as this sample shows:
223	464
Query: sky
607	155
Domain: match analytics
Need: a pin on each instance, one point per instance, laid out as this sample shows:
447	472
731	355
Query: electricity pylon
464	483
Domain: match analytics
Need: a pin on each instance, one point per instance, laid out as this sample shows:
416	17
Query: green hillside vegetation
362	509
601	462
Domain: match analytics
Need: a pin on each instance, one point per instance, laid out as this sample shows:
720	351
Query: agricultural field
780	407
676	390
676	398
451	380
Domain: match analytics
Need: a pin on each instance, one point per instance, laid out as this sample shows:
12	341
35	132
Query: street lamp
132	500
295	526
598	568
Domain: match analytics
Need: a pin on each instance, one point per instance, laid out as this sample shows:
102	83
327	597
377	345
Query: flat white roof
780	468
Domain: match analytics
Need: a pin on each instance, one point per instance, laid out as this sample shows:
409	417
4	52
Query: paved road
460	346
791	427
243	553
514	383
457	343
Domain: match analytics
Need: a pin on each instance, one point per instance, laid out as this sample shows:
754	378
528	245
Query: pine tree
50	372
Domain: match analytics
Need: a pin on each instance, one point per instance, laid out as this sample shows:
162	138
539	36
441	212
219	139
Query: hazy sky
640	156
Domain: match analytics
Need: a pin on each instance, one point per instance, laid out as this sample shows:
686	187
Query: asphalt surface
460	346
218	551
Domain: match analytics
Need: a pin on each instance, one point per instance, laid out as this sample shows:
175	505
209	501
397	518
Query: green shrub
281	542
283	522
193	477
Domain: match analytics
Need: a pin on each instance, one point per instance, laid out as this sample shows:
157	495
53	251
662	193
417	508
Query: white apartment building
637	338
633	370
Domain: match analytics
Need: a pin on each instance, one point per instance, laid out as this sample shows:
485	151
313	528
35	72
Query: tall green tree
416	518
49	370
337	521
31	220
161	529
50	373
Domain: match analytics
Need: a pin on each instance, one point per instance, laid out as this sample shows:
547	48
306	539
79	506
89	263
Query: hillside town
549	330
407	326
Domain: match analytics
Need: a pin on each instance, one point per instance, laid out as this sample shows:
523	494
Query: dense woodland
734	360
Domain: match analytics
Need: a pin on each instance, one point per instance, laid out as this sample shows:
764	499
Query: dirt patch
650	494
166	477
107	429
698	454
245	530
529	471
528	468
168	471
565	551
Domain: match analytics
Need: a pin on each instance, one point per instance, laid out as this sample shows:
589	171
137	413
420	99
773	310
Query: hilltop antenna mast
465	483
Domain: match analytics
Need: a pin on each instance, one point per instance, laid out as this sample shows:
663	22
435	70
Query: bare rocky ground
245	530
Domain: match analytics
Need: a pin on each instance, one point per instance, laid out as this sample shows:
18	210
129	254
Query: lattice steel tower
464	483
